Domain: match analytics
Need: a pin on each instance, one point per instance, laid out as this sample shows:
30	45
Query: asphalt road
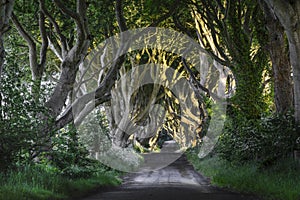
178	181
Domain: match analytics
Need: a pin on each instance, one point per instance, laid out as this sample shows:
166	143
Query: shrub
264	140
19	118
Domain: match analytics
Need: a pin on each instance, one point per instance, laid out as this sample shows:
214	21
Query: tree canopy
66	65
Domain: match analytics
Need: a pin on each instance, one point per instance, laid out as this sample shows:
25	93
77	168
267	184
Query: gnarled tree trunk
71	58
283	86
288	13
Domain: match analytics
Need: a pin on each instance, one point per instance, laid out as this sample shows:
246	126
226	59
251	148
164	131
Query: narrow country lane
178	181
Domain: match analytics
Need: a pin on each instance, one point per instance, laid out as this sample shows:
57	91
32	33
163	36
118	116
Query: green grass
281	181
40	183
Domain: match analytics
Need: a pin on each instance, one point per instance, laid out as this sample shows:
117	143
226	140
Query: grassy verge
40	184
281	181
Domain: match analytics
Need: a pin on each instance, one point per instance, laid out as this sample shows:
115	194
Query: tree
70	48
281	67
71	56
288	13
230	32
61	38
121	113
6	7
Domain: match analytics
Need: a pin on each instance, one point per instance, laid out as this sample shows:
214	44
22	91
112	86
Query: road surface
178	181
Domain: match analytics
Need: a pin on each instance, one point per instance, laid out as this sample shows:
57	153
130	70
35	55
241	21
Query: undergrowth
279	181
40	182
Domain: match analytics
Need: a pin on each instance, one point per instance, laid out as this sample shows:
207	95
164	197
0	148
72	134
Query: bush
71	157
264	140
19	118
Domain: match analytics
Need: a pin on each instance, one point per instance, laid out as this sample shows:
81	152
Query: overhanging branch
31	45
62	38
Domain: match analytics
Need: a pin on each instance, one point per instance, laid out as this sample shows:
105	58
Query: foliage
94	132
232	31
44	182
265	140
71	157
236	39
281	181
19	118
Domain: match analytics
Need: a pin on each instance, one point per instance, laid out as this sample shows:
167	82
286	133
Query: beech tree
69	46
59	37
70	50
281	67
230	32
288	13
65	30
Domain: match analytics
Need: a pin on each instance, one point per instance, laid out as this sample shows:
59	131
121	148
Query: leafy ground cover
279	181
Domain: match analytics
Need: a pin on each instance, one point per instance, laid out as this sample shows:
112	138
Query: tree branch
72	60
62	38
67	11
120	17
31	45
194	78
68	115
210	19
81	22
56	51
45	44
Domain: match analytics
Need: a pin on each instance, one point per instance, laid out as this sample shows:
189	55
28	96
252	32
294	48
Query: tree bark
288	13
228	38
2	55
6	7
73	58
283	86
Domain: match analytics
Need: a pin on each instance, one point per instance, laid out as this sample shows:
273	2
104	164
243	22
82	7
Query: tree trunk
2	54
288	13
283	86
294	47
6	7
247	100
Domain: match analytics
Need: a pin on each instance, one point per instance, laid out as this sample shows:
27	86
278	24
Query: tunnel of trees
71	85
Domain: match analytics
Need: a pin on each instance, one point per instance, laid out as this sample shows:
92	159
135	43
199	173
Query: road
178	181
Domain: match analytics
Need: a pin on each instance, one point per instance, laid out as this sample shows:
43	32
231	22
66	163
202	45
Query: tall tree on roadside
229	32
70	54
281	67
288	13
66	32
